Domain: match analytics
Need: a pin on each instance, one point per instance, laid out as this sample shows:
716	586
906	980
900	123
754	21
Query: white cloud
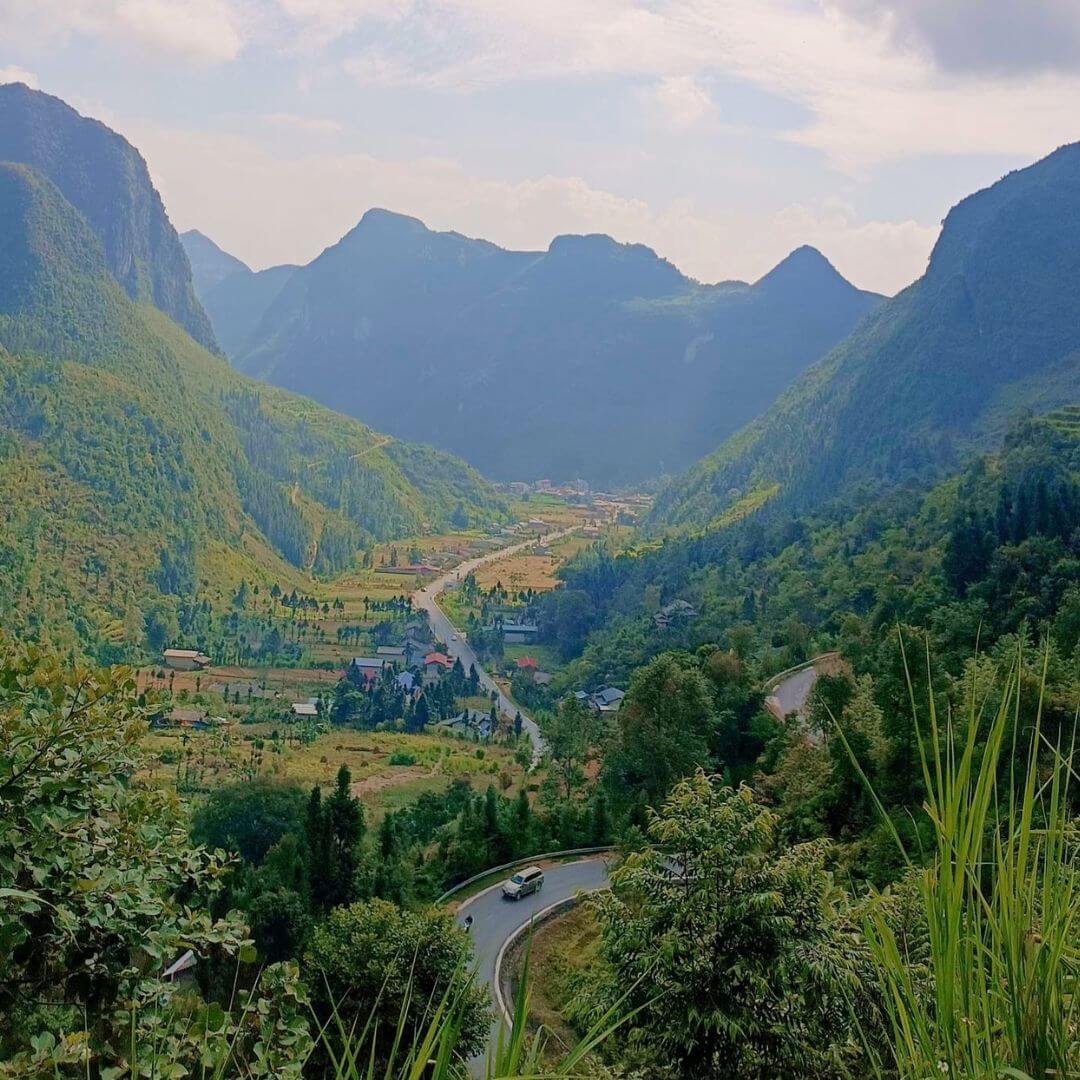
206	31
12	73
203	30
323	21
879	80
683	100
871	97
268	209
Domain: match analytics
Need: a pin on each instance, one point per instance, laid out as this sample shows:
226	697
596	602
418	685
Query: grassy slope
121	437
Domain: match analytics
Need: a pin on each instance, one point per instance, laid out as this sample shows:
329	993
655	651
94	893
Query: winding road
496	919
457	647
789	692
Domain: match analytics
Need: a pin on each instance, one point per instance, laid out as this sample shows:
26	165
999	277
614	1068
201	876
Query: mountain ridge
939	370
141	469
106	179
553	355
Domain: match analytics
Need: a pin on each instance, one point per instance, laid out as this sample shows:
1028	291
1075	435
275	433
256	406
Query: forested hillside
993	547
592	359
137	467
991	329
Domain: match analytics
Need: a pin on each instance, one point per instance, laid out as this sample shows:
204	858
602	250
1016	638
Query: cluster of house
605	700
417	652
678	611
188	718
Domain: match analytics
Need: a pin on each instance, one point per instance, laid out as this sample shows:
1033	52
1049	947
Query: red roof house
527	663
438	658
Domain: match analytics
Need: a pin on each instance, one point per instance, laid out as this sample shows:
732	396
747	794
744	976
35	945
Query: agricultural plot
389	769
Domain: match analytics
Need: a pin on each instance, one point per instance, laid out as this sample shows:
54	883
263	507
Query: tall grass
994	989
430	1051
423	1046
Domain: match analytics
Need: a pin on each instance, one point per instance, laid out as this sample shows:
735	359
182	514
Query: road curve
457	648
495	919
792	694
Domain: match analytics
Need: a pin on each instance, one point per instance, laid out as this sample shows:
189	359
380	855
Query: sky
722	133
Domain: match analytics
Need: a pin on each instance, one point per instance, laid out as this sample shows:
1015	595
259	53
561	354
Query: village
290	680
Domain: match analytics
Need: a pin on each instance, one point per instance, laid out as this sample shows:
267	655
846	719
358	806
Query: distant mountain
105	178
140	471
991	330
234	296
209	264
592	359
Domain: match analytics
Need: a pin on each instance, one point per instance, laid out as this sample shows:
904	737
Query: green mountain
989	551
234	296
592	359
140	470
992	329
105	178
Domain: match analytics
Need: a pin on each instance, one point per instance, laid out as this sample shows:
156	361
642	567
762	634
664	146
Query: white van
524	882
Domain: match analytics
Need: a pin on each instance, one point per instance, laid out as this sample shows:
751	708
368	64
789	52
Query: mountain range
593	359
138	467
992	330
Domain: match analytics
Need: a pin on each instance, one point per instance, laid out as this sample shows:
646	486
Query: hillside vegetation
136	464
985	553
992	329
592	359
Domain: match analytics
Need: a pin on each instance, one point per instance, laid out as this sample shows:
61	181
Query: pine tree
600	824
315	833
387	838
344	827
522	828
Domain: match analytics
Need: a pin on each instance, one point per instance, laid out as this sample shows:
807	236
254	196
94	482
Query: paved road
496	918
457	648
792	694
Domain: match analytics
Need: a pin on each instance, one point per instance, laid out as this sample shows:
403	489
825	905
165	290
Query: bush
402	757
249	818
369	959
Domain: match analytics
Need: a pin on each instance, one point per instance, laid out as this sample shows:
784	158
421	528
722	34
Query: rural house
185	659
678	611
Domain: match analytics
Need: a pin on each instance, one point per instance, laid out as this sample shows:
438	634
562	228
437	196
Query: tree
101	890
344	826
315	835
522	824
567	617
572	733
279	924
368	959
743	955
250	817
664	726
